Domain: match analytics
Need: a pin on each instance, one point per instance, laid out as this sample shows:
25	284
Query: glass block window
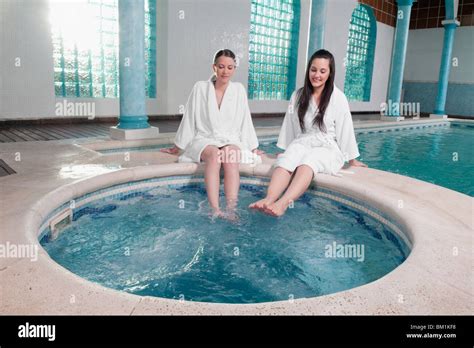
273	49
359	60
85	48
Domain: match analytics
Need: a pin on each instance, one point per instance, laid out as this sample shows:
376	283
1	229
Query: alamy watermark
68	108
237	156
37	331
400	109
347	251
9	250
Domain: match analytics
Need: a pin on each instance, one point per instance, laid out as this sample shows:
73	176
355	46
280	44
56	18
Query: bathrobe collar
228	97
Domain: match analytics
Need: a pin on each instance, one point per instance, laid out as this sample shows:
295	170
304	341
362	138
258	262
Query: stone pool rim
398	292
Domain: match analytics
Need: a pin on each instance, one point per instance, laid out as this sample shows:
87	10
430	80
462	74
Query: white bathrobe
204	124
323	152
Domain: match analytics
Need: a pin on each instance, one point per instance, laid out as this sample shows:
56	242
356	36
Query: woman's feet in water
261	204
277	209
270	207
231	210
230	213
216	213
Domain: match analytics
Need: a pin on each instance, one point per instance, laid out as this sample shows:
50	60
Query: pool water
440	155
162	242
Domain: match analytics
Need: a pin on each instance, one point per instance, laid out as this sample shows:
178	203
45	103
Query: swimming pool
442	155
159	241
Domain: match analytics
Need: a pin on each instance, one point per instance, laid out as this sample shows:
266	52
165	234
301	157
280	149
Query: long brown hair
305	93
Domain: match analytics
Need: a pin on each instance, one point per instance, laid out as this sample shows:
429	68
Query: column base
392	118
438	116
133	134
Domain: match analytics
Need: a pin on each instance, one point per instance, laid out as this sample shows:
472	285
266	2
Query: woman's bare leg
230	162
211	158
279	182
299	184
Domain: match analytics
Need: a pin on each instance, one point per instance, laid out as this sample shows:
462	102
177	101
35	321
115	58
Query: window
273	48
360	54
85	48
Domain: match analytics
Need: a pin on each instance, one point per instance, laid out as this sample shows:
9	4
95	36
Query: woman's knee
211	154
231	167
279	170
306	168
230	155
305	172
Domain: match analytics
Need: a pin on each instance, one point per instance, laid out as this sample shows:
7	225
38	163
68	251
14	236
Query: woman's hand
171	150
258	152
356	163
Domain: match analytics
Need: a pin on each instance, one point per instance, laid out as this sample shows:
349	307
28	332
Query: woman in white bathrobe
217	128
315	140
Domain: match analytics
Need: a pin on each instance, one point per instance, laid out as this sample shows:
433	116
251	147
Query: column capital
405	2
450	23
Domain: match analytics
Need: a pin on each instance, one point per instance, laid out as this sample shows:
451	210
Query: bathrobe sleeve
187	127
345	135
248	137
290	128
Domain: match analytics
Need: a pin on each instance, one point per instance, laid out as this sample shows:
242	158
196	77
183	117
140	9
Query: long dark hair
305	93
226	53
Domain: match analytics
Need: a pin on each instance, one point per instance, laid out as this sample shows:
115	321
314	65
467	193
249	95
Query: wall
185	47
422	69
189	32
339	14
27	90
208	27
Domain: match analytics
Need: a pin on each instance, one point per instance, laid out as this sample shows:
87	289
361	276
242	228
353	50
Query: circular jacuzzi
151	235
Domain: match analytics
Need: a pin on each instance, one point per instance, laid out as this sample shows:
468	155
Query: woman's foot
228	214
261	204
231	210
216	213
231	215
231	204
276	209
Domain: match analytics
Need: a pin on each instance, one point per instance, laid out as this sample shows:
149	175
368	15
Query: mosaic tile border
398	128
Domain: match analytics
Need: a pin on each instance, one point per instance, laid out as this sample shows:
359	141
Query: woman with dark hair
217	128
317	135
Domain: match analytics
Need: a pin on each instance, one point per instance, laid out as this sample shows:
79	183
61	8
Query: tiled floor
43	132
